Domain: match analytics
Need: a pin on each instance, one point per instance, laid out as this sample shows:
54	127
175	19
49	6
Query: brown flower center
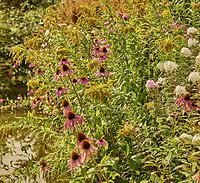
74	80
104	50
14	61
80	136
97	48
33	101
101	69
64	59
38	98
194	103
57	71
74	155
65	103
19	95
186	96
71	115
83	77
65	67
100	140
42	164
59	88
101	56
85	144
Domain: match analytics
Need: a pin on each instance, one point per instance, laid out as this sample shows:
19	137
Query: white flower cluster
194	77
162	81
189	138
192	30
180	90
198	59
192	42
186	52
167	66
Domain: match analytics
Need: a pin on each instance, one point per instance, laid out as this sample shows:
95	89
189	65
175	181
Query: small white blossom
198	59
46	32
192	30
160	66
192	42
162	81
185	137
180	90
186	52
170	66
195	138
194	77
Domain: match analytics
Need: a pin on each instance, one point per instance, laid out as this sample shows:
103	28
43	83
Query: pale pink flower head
196	178
75	160
31	64
64	61
66	107
87	150
39	72
101	142
1	100
45	168
83	80
66	70
60	90
73	120
34	103
185	102
151	84
29	92
195	106
125	17
15	63
102	72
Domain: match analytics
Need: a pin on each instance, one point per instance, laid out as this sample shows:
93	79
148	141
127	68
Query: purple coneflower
66	107
34	103
45	168
73	120
101	142
87	150
15	63
151	84
66	70
74	81
19	97
96	50
60	90
57	74
80	137
185	101
31	64
195	106
102	57
64	61
74	161
83	80
39	72
101	72
29	92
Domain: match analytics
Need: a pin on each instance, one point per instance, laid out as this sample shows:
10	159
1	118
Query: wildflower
102	72
66	70
151	84
186	52
34	103
185	101
66	107
192	42
185	137
74	81
80	137
73	120
196	178
101	142
160	66
161	81
31	64
186	154
180	90
170	66
19	97
64	61
198	59
194	77
196	138
96	50
29	92
39	72
57	74
45	168
195	106
102	57
104	49
87	150
60	90
1	100
15	63
83	80
125	17
192	30
74	161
